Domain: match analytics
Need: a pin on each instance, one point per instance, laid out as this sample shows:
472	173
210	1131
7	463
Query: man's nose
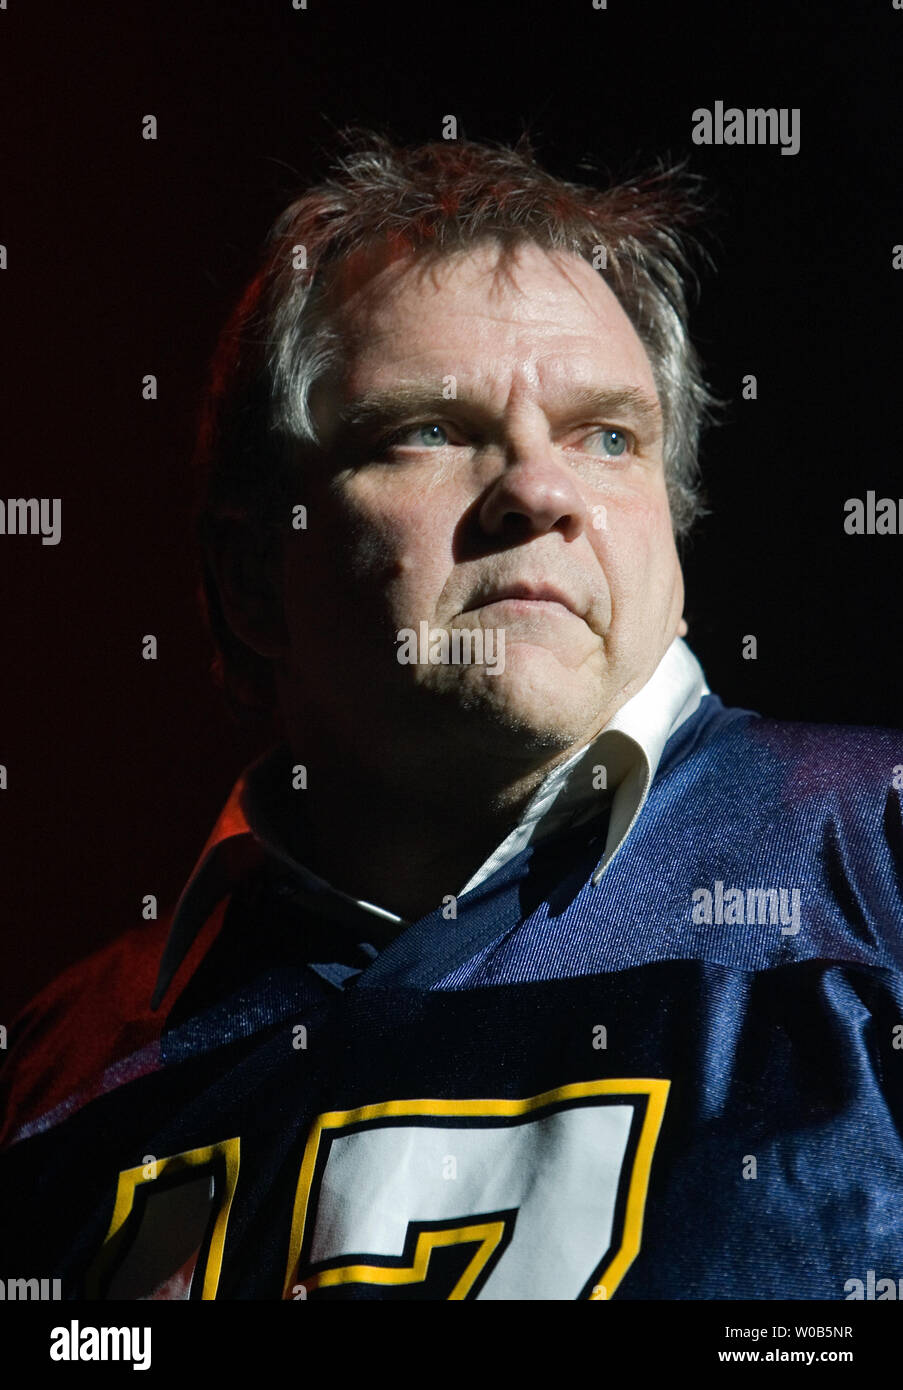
533	493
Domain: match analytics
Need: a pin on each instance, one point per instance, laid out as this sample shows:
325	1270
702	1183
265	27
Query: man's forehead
525	280
472	309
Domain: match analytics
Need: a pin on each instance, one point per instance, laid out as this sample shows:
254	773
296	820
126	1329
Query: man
521	968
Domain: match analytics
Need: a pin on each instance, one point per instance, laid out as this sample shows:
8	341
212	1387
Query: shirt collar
616	769
629	750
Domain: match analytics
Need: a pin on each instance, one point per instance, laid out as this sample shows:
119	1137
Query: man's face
494	451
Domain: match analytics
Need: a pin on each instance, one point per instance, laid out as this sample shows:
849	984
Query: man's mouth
526	596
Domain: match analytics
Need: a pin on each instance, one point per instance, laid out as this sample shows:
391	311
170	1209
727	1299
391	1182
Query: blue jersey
682	1081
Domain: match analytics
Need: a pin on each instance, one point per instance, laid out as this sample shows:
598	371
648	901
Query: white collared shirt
629	750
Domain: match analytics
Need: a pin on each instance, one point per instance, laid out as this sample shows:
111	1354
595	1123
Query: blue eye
615	442
430	435
425	436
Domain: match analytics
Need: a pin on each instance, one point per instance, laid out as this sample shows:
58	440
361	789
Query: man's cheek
375	550
393	541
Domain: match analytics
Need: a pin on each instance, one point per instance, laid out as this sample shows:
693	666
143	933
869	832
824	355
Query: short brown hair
440	197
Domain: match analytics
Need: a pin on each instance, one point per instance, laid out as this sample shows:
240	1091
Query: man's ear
247	568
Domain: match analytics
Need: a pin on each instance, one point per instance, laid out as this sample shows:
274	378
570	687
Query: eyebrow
382	408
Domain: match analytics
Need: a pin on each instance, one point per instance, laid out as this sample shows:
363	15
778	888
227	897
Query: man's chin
537	704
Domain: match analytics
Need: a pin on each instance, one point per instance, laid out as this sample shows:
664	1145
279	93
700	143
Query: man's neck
405	844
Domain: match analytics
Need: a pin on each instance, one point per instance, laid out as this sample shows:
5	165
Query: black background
125	256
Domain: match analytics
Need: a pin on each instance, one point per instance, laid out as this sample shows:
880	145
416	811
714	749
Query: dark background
125	256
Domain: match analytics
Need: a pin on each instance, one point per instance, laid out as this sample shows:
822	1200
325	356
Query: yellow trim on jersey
656	1090
488	1233
130	1179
